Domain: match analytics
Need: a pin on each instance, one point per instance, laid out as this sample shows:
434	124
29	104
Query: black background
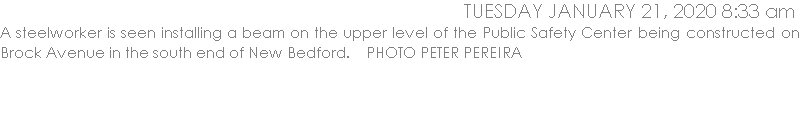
553	75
